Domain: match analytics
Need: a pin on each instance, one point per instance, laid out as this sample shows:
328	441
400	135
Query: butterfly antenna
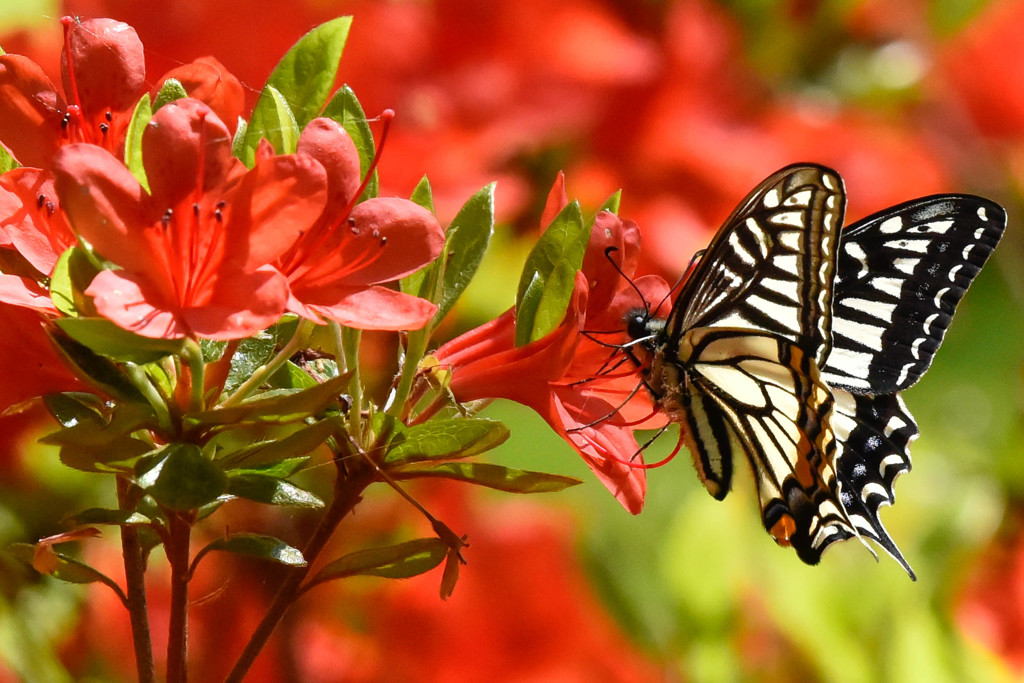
618	269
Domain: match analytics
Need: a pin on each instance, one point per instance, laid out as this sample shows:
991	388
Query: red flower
32	223
566	376
336	269
104	77
104	73
195	252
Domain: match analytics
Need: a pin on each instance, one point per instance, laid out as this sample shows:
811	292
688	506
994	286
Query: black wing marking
772	265
902	273
874	435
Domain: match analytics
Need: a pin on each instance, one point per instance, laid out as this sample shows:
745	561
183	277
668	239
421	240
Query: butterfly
791	339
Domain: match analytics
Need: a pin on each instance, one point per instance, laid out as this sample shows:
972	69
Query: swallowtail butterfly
791	338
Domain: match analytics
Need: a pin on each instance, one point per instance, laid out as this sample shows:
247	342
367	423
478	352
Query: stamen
68	23
40	200
166	220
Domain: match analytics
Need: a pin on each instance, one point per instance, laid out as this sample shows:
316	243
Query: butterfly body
789	341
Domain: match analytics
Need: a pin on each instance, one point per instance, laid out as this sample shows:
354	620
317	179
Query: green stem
348	492
346	341
193	356
177	548
137	376
415	348
299	339
135	578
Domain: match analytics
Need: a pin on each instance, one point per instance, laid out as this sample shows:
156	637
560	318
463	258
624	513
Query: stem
347	353
137	376
180	529
301	336
347	492
193	356
135	578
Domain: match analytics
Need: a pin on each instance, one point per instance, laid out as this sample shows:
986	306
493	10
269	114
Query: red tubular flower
566	377
195	253
336	269
209	81
104	76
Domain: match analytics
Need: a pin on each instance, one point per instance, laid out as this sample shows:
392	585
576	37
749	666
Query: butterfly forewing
772	265
902	273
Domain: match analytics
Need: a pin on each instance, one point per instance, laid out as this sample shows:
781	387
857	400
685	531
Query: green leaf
100	371
68	568
468	237
116	455
344	108
171	90
279	406
297	89
71	276
549	276
612	203
271	490
7	162
257	545
106	516
274	120
133	139
73	407
291	376
466	241
277	450
306	73
108	340
253	352
423	195
179	477
458	438
485	474
391	562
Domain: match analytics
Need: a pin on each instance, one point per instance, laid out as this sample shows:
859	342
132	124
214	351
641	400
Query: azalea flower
195	253
104	73
566	376
336	270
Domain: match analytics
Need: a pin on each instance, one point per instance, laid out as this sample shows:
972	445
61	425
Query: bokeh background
685	105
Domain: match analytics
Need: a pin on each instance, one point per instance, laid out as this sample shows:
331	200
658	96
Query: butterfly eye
638	323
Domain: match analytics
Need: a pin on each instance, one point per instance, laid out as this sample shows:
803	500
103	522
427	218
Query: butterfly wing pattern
738	358
790	341
902	272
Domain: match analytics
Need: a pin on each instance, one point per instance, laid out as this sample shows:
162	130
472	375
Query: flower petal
327	142
185	144
243	304
209	81
595	444
276	202
389	238
106	205
367	308
31	220
23	292
30	112
109	65
128	300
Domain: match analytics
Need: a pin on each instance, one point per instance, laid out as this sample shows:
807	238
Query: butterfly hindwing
902	273
759	394
874	435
